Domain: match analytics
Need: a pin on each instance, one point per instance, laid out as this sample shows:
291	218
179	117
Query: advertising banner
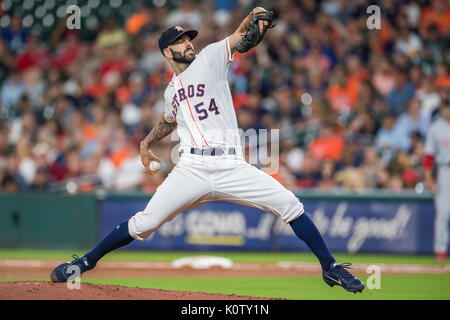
351	226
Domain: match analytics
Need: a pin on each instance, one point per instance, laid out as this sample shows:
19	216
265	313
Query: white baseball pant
198	179
442	204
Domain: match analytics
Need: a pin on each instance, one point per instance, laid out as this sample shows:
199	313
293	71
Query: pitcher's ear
167	53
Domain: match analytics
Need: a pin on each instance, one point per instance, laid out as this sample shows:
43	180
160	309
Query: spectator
138	20
329	145
352	106
111	35
33	55
11	172
10	92
408	43
340	94
391	135
442	76
395	183
438	13
41	180
371	167
9	184
429	97
383	78
402	93
7	60
288	110
309	174
413	120
327	173
186	13
351	179
15	34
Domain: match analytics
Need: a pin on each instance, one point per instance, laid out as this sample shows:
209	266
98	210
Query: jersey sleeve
218	55
431	146
169	110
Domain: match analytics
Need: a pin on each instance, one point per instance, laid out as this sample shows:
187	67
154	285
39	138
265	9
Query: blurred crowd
353	104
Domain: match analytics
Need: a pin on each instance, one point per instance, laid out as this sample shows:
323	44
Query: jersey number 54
203	113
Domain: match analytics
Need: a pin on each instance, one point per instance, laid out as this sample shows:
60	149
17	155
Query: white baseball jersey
199	99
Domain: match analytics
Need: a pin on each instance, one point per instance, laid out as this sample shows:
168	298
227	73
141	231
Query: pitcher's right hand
147	156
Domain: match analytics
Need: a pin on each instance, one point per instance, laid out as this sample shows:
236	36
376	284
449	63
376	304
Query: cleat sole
359	290
54	278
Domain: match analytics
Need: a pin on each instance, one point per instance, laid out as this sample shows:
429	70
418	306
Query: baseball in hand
154	166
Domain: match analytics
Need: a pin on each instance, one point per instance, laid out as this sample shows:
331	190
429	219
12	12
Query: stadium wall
54	221
376	222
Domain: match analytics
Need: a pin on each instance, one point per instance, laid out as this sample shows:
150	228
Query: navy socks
305	229
117	238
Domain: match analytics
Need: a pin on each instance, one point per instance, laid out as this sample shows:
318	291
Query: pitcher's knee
292	212
142	225
291	209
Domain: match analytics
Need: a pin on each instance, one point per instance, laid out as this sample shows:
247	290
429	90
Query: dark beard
184	59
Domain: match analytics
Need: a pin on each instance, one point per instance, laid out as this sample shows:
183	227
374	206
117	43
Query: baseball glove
253	36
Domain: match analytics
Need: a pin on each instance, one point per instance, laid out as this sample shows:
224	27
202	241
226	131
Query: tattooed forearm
162	129
237	36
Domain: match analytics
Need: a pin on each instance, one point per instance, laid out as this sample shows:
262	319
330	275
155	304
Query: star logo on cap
178	28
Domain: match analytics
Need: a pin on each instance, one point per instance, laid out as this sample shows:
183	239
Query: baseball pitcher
198	103
437	152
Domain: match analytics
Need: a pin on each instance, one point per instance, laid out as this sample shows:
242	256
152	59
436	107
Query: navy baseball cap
173	33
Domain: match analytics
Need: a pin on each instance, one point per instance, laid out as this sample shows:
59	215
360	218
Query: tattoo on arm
237	36
162	129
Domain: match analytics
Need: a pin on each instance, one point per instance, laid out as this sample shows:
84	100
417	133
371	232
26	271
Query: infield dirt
41	290
45	290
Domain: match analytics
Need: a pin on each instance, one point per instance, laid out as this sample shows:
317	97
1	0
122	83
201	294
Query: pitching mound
41	290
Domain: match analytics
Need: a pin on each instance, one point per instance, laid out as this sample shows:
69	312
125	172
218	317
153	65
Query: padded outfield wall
380	222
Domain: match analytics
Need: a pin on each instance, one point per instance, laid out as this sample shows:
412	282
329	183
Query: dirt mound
41	290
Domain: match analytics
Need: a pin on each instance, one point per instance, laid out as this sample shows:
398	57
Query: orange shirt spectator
340	93
118	156
327	146
123	94
340	98
354	83
89	131
136	22
239	100
438	14
386	32
442	78
96	90
443	82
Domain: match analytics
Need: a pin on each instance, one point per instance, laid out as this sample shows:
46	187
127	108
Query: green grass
238	257
393	287
403	287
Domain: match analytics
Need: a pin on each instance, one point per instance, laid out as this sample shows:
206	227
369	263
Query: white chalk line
280	266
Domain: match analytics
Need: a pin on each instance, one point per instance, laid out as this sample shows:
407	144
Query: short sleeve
170	106
430	143
218	56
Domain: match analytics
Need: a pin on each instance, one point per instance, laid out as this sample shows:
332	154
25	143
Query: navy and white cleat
339	276
65	270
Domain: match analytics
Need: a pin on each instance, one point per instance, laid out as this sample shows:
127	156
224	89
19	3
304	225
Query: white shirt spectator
27	168
409	46
430	102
